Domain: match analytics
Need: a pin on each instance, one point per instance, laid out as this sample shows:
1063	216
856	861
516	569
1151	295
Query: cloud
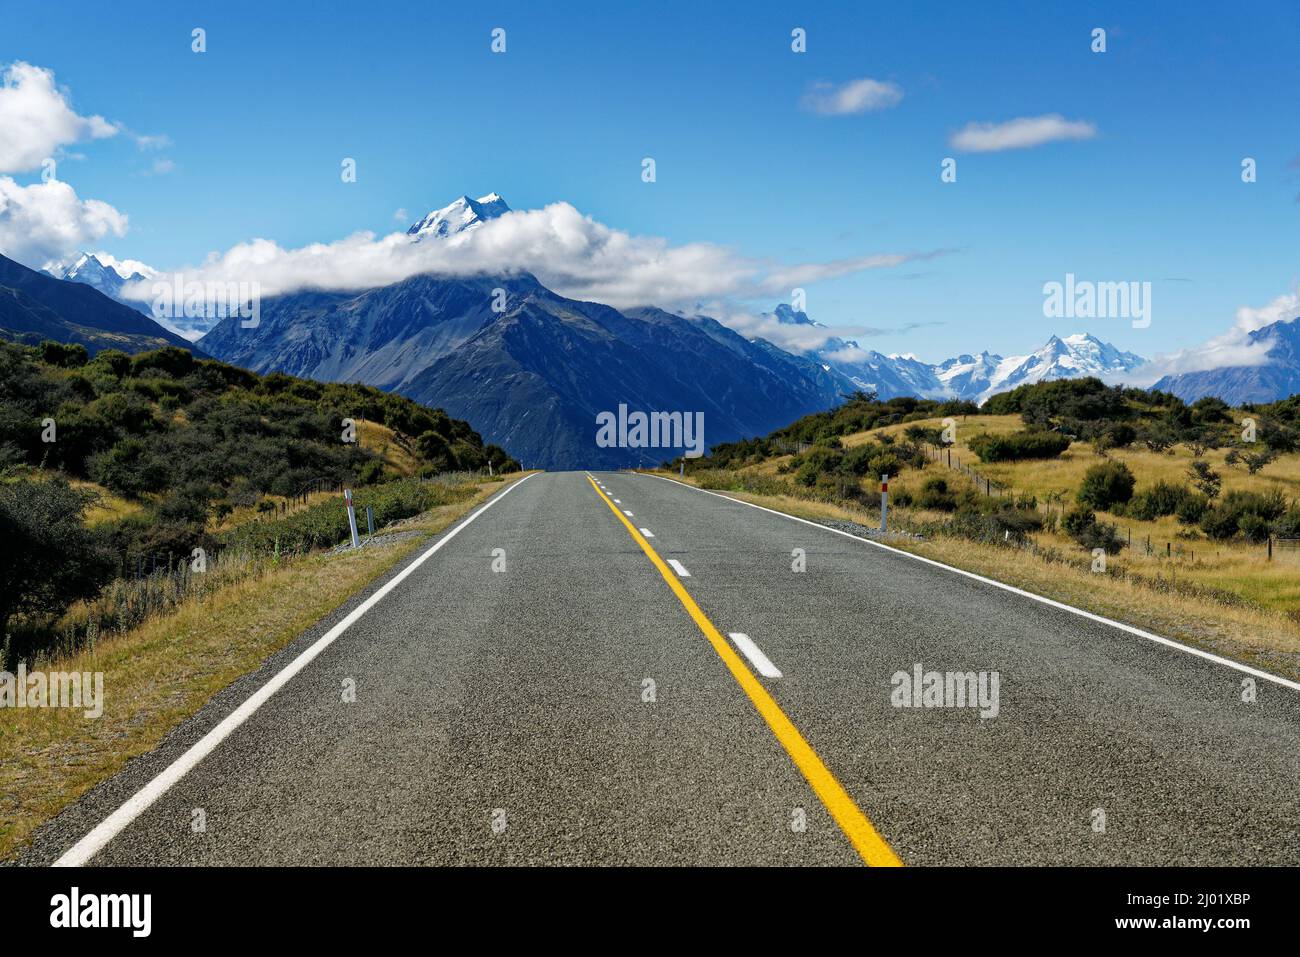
35	119
47	221
401	215
567	251
1230	349
147	142
1021	133
855	96
161	167
126	267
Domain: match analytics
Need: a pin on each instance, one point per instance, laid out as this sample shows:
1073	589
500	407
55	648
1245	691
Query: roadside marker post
352	517
884	504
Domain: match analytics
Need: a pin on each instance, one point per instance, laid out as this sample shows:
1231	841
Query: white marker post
352	517
884	504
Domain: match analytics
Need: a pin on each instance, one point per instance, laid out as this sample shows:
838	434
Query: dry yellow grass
1176	551
158	675
108	506
385	443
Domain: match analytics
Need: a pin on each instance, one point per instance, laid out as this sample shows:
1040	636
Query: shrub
935	495
1077	521
50	558
1192	508
1029	444
1106	485
1218	522
1254	527
1162	498
1206	480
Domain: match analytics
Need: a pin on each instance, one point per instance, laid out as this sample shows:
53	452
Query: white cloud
1232	348
161	167
47	221
567	251
126	267
35	119
1021	133
855	96
401	215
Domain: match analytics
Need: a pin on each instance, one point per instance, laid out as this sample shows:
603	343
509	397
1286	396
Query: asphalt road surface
560	683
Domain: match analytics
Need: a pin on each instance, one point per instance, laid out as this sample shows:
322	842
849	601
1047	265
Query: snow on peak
460	215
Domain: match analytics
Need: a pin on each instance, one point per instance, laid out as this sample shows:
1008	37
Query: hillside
1183	498
35	307
123	464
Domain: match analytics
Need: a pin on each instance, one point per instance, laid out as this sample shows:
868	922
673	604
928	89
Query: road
557	684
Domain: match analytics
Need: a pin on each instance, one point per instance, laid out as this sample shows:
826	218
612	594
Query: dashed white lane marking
755	655
647	533
111	826
627	513
679	568
1050	602
618	501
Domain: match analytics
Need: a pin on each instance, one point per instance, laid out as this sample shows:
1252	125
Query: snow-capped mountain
105	277
457	217
963	377
1277	377
1070	358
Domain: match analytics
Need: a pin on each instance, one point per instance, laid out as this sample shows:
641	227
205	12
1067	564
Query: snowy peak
459	216
787	316
973	377
108	277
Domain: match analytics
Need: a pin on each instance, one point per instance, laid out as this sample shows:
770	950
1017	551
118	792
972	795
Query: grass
1177	553
162	672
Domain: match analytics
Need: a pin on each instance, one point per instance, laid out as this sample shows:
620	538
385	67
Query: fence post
352	517
884	504
1270	548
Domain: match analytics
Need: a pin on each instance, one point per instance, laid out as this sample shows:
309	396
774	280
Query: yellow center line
865	838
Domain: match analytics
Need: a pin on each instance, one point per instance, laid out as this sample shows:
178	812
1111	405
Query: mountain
974	378
91	271
457	217
1278	377
36	306
533	377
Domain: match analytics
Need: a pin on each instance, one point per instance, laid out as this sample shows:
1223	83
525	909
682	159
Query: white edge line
1149	636
115	823
679	568
755	654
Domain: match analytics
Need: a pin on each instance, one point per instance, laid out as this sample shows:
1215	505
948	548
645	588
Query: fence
943	455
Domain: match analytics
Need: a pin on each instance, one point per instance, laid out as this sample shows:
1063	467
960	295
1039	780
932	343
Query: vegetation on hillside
1072	464
193	449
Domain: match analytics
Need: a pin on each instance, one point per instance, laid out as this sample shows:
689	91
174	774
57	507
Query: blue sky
259	123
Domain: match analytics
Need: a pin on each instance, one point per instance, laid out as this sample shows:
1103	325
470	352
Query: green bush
936	495
1019	445
1191	509
49	560
1162	498
1106	485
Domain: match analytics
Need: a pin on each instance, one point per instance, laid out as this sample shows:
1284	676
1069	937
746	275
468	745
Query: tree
1106	485
50	558
1206	480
